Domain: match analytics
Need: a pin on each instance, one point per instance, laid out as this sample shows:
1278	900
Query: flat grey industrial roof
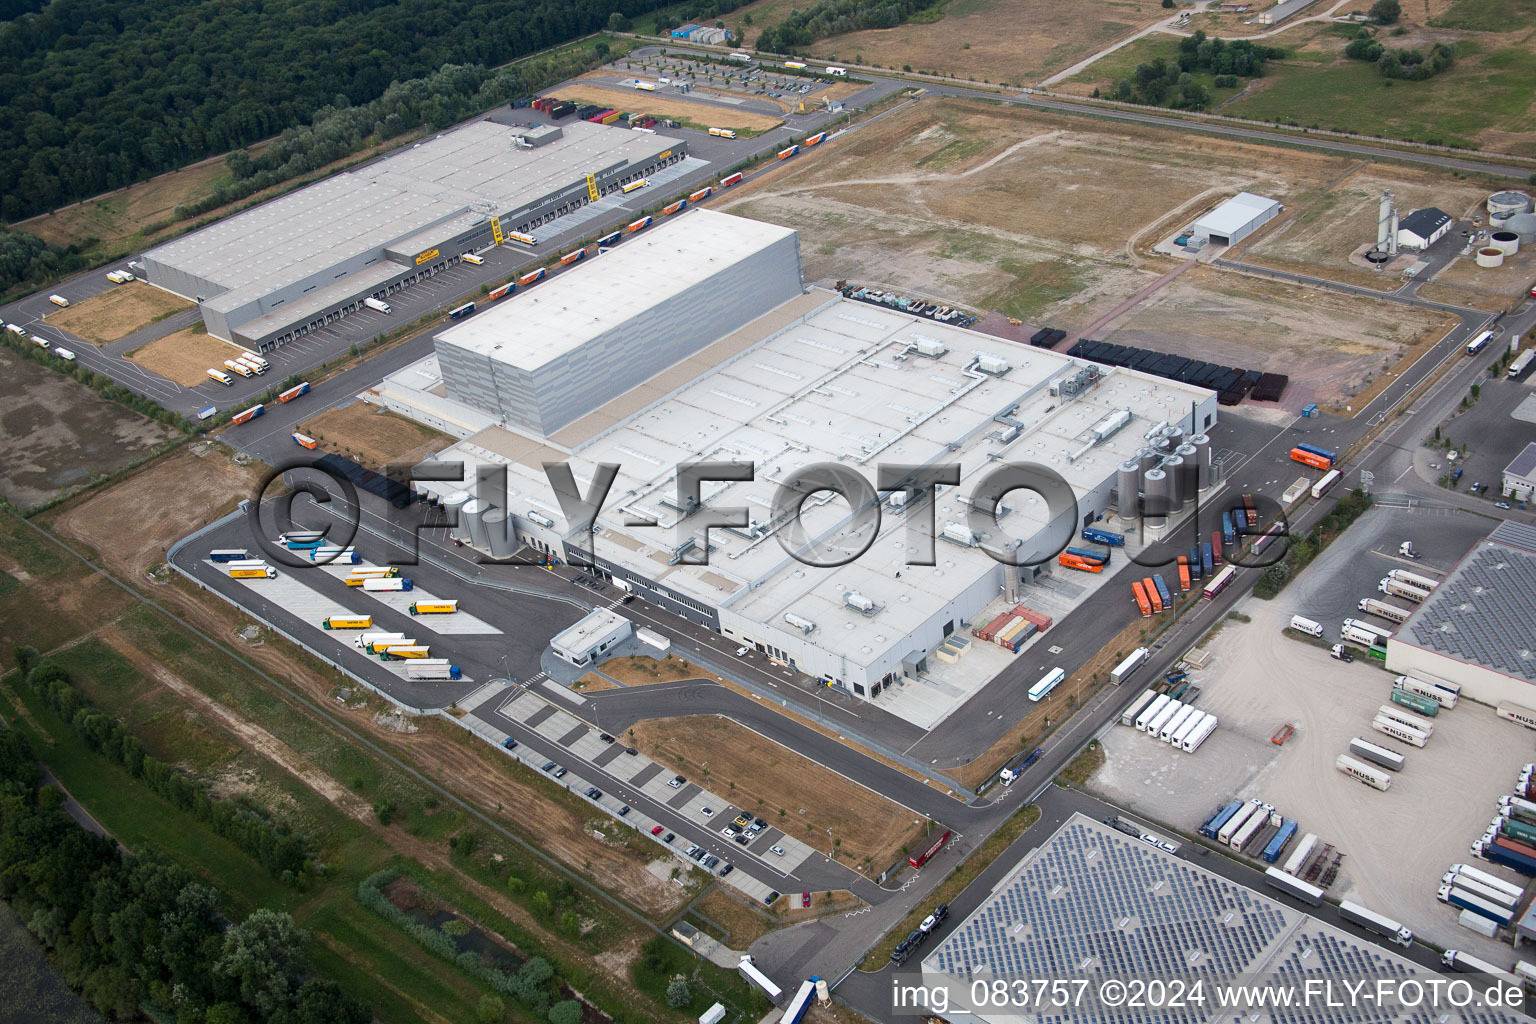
837	381
598	295
473	169
1235	214
1091	902
1482	612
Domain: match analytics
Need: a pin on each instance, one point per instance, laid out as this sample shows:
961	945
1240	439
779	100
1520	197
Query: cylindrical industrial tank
1175	438
1201	443
1173	468
1147	458
470	515
1128	484
1506	242
1490	257
452	505
1156	504
501	537
1503	205
1189	472
1524	227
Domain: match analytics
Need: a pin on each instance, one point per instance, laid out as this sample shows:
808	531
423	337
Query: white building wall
1476	681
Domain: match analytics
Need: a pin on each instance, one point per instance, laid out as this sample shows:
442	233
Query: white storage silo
1156	503
1128	482
501	538
1202	445
471	516
1507	204
1488	256
1505	241
453	504
1173	468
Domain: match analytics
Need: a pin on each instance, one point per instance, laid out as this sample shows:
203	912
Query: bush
1385	12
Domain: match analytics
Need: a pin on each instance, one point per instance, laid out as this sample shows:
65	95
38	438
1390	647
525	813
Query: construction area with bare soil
372	436
185	356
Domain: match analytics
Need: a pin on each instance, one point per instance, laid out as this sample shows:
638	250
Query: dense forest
833	18
131	931
97	94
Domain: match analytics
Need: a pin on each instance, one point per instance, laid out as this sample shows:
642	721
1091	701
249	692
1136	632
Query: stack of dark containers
1230	384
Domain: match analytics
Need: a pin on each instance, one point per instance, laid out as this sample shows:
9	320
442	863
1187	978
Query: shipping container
246	415
573	256
1140	596
730	179
302	388
533	275
304	441
1309	459
1153	598
681	204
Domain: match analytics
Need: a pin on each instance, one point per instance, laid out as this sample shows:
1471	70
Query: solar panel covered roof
1483	612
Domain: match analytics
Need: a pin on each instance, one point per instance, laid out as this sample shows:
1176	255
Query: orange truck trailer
1140	594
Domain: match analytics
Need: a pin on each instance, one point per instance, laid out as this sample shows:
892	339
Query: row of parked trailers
1013	628
1175	722
1253	827
1231	384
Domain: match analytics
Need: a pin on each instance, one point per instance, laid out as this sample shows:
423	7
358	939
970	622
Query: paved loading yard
1396	844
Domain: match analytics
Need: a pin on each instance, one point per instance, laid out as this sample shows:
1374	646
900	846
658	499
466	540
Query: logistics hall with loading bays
698	341
290	266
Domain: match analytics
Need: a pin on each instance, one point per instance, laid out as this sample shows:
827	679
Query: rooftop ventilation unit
933	348
536	516
804	625
858	602
1110	425
996	366
681	550
959	533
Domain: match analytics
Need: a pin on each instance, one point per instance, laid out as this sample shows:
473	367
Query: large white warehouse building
700	344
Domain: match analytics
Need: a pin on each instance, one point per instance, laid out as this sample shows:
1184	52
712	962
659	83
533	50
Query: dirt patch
117	313
373	436
1494	289
707	115
126	524
60	434
186	356
1005	210
738	923
638	670
792	792
592	683
1016	41
1334	346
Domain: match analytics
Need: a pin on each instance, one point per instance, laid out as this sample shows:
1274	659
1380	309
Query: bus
1219	582
1324	485
1476	344
1046	684
636	185
521	239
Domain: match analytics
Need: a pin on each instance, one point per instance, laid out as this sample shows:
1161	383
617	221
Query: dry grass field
1493	289
760	776
1014	41
185	356
639	670
706	115
117	313
372	436
1031	216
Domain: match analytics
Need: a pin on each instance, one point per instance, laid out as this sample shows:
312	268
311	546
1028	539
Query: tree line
282	853
98	94
131	932
834	17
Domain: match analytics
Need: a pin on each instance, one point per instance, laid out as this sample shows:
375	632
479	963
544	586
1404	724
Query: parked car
729	832
727	869
805	899
605	737
1501	504
549	766
742	838
669	837
742	820
624	810
677	782
710	862
656	831
693	848
768	900
777	849
593	793
742	652
559	772
509	743
631	751
708	812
